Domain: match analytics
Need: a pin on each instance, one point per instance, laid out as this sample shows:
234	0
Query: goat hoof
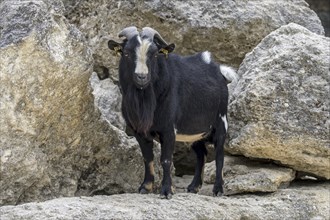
168	196
194	186
166	192
217	190
218	194
146	188
143	191
192	189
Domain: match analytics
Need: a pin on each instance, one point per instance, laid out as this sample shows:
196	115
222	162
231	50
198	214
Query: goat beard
139	108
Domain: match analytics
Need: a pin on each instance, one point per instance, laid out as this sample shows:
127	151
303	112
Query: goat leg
201	152
146	146
219	157
167	147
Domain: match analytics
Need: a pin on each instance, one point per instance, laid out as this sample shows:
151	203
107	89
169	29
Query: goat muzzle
141	80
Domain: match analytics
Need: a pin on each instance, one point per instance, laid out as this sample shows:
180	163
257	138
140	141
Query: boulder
279	109
53	139
298	202
228	29
242	175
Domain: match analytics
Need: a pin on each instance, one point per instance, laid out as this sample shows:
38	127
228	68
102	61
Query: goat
173	98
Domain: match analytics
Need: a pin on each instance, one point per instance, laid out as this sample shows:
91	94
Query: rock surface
107	99
53	141
243	176
299	202
280	109
235	27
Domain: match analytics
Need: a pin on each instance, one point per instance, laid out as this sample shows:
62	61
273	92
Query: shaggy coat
173	98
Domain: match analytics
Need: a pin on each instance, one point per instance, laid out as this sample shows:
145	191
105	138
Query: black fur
138	107
184	93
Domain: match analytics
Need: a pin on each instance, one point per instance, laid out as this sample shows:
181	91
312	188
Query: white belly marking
189	137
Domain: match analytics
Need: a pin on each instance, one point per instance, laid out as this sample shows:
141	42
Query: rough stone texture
53	141
228	29
107	98
322	9
242	175
70	6
280	108
300	202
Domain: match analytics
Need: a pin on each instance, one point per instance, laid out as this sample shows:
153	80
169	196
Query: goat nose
141	76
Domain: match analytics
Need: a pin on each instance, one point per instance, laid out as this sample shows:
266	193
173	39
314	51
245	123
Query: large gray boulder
299	202
53	140
280	107
228	29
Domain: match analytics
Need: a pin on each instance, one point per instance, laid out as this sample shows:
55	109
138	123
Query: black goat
173	98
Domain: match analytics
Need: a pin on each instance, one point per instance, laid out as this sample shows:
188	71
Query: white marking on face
224	119
141	56
139	39
206	57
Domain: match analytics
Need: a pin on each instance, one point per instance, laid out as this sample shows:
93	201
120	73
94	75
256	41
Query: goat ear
162	45
167	49
113	45
170	47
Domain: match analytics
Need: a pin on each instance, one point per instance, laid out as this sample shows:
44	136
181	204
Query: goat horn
128	32
151	33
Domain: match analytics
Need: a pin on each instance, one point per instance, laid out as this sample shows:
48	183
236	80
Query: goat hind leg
219	141
201	152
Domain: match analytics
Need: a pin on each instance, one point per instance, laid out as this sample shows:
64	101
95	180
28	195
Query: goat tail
229	73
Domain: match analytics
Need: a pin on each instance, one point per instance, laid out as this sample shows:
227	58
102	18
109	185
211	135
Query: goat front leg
167	141
146	146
